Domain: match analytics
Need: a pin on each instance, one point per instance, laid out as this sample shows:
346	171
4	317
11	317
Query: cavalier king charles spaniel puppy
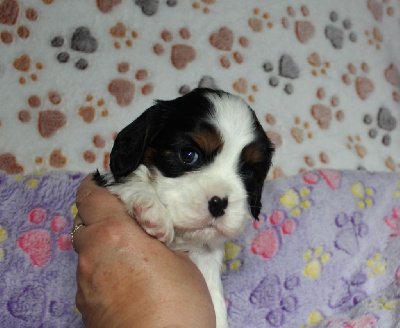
191	172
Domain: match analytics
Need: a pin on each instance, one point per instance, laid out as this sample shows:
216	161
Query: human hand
127	278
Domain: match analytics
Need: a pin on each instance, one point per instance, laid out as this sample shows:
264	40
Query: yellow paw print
397	192
364	194
297	201
313	319
315	259
74	210
232	251
3	238
376	264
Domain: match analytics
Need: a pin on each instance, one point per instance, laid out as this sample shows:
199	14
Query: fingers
96	203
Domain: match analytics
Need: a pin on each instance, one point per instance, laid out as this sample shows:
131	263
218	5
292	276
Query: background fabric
322	76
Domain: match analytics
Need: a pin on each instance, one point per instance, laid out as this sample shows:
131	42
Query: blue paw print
272	295
351	230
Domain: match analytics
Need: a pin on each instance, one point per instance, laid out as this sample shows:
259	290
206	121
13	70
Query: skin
127	278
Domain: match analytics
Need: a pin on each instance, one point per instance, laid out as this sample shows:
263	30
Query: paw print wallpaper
323	78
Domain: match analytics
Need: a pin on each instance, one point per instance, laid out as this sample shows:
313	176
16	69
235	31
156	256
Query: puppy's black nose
216	206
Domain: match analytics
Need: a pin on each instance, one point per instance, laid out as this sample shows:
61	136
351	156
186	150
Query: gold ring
73	231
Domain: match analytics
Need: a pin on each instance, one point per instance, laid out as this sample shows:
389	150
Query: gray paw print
336	34
287	69
385	121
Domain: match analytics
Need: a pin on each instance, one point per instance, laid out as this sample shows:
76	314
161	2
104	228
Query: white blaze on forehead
234	120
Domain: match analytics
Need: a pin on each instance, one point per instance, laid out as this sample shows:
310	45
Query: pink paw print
37	243
267	243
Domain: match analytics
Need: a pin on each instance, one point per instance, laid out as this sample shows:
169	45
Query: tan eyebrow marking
208	140
252	153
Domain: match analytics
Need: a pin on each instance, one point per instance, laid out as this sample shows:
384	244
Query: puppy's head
208	157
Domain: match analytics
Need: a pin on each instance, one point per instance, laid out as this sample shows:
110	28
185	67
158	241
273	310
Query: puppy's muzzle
217	206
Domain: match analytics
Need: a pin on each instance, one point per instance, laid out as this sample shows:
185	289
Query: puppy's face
207	156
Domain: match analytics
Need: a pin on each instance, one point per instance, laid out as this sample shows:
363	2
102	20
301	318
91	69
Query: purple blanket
325	253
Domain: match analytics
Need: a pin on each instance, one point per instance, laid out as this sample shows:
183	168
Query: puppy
191	172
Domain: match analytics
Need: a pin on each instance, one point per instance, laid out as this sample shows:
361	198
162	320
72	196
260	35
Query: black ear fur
131	143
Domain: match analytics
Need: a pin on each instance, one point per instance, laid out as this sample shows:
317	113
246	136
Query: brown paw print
379	8
323	114
375	37
181	54
204	5
363	85
88	111
224	40
384	121
242	87
29	69
124	89
50	120
301	131
323	159
17	23
303	29
392	76
100	143
122	36
287	69
318	66
258	21
391	164
105	6
57	159
336	34
272	134
9	164
354	143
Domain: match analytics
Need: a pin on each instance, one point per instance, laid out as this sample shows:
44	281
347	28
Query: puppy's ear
255	202
131	143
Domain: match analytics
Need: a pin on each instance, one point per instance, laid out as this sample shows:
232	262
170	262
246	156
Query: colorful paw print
315	259
394	221
276	297
297	201
376	264
231	261
37	243
364	321
267	243
396	194
314	318
364	195
346	294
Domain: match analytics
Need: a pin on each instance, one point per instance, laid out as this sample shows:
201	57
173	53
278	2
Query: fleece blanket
322	76
324	253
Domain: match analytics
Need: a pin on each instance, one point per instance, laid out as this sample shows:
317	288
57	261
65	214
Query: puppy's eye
188	156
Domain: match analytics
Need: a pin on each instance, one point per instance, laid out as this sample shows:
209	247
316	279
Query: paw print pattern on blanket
14	15
241	86
352	228
257	21
181	54
279	298
287	69
315	259
203	4
223	40
122	36
347	293
364	195
27	68
81	41
375	37
392	76
324	114
304	29
268	241
363	85
335	34
123	89
380	8
319	67
385	121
